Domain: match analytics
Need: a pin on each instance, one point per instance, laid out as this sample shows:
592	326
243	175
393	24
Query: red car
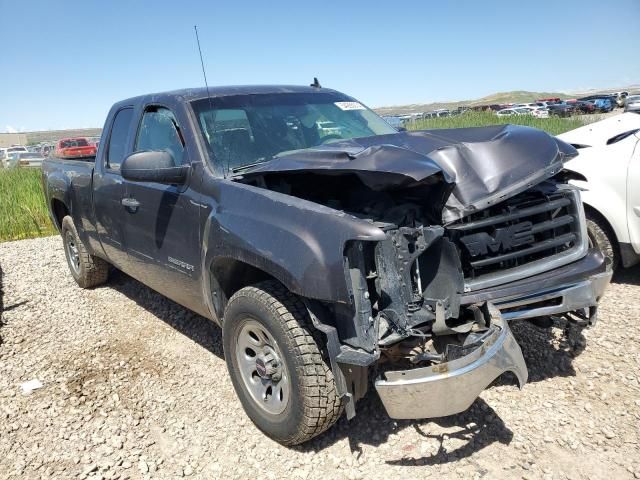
74	148
550	100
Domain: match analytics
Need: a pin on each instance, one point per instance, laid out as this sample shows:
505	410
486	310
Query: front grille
519	233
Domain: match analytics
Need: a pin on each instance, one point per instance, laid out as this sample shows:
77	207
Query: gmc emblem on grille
503	240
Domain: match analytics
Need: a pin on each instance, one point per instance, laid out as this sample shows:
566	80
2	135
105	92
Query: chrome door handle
130	203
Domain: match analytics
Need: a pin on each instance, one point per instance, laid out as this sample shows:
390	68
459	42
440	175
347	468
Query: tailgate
87	151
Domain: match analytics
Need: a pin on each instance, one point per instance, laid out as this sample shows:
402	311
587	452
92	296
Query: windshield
242	130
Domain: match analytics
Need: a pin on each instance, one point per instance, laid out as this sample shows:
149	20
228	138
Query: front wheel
601	237
276	365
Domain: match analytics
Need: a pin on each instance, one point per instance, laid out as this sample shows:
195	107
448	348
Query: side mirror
153	166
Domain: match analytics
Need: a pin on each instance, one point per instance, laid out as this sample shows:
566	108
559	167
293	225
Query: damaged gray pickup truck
330	247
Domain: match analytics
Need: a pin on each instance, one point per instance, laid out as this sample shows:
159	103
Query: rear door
109	189
162	232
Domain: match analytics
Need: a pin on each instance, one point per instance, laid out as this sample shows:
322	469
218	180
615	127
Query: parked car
7	151
603	105
46	149
609	168
632	103
94	141
601	97
11	161
27	160
4	153
74	148
526	110
583	106
561	109
323	257
328	128
550	101
505	112
540	112
595	96
442	112
620	98
394	121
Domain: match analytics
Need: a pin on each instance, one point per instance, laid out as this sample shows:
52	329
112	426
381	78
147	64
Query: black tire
87	270
313	404
601	236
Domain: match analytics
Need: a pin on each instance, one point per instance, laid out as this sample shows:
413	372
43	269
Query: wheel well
60	211
229	275
590	211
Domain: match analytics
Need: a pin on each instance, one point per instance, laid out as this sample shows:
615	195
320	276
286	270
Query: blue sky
63	64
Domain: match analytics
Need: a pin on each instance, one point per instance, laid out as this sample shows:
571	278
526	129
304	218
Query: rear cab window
117	146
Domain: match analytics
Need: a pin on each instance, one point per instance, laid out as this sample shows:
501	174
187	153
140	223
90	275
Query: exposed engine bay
409	286
448	221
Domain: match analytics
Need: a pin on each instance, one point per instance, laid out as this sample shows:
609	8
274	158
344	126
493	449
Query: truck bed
69	182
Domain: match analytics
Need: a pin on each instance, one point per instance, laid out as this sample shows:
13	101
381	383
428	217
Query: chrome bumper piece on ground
449	388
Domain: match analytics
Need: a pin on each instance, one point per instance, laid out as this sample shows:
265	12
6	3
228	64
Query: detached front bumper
449	388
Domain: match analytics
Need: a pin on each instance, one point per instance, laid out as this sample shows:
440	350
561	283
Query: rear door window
118	139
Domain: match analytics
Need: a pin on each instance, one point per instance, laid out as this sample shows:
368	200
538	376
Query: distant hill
55	135
516	96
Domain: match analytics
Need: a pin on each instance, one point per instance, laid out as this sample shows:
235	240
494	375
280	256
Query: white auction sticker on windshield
349	106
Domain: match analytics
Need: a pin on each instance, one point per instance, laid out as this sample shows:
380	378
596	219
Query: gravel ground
135	386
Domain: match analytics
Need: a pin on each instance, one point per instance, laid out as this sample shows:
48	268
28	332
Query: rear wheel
276	365
601	237
87	270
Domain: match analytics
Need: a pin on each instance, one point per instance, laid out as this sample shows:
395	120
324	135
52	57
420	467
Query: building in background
9	139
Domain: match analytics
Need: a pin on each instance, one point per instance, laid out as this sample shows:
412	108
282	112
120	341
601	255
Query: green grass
23	212
553	125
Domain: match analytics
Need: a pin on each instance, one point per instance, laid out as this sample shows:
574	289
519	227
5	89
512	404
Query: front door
161	223
633	196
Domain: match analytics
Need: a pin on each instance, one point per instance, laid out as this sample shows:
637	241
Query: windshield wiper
241	168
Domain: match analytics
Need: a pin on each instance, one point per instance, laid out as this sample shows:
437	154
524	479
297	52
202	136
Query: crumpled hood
483	165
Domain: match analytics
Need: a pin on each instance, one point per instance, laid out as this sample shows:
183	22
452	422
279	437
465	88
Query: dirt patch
135	386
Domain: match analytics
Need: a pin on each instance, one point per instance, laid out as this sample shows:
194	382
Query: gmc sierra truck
334	251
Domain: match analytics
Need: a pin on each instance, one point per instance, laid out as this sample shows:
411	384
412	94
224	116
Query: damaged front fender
300	243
